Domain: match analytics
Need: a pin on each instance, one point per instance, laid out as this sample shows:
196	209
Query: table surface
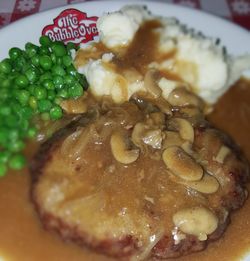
237	11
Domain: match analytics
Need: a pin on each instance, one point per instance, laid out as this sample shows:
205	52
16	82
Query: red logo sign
72	25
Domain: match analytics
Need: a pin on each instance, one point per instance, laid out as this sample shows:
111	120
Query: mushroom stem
120	151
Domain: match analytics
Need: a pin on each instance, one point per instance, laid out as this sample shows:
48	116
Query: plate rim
143	2
197	12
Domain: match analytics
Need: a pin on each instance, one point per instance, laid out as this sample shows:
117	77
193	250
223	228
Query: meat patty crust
144	179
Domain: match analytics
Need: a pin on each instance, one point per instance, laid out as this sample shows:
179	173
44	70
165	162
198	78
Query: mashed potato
200	63
112	34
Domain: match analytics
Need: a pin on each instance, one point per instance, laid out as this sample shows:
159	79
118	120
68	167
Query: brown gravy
22	237
139	55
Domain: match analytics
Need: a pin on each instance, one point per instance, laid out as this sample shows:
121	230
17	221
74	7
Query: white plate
235	38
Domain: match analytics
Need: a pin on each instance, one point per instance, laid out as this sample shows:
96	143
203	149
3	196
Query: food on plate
131	181
139	172
33	83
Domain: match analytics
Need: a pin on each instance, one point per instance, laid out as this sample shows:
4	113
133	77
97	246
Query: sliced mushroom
144	102
172	138
164	106
184	127
150	83
222	154
157	118
191	111
148	104
194	115
143	135
207	185
182	97
74	106
153	138
181	164
120	149
197	221
187	147
137	134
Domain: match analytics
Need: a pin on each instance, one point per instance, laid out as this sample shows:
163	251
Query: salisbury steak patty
141	179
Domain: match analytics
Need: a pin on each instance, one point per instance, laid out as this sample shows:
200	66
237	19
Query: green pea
15	106
31	52
67	60
71	70
45	76
6	83
29	45
5	94
51	95
75	91
11	121
22	81
33	102
63	93
31	49
45	62
13	134
20	63
40	93
5	110
4	156
32	75
53	58
45	41
59	61
58	100
14	74
58	70
48	84
69	79
5	66
25	112
70	46
35	60
44	105
44	50
3	169
23	96
23	126
16	146
58	81
17	162
45	116
56	112
58	49
31	88
32	132
26	67
14	53
2	76
3	135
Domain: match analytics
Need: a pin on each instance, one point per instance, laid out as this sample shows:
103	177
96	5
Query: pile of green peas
33	81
